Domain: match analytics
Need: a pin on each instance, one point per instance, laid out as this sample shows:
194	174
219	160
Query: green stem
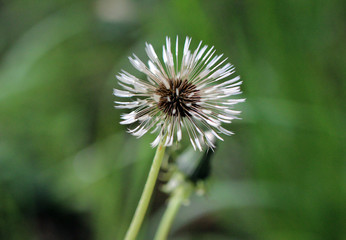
146	195
174	204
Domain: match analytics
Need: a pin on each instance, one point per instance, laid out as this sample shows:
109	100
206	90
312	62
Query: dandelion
190	95
193	95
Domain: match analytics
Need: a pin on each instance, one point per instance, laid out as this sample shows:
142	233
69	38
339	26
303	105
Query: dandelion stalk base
146	195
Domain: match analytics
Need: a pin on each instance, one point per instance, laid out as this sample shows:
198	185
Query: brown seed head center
180	99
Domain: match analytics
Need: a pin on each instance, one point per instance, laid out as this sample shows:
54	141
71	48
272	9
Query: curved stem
142	206
174	204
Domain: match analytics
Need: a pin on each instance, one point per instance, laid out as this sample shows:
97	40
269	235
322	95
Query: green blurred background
68	169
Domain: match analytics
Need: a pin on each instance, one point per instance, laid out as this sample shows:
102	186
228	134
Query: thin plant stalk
177	198
143	204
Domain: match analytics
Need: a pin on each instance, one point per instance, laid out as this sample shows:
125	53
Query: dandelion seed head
191	94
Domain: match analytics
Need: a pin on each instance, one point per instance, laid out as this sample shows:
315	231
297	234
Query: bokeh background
69	170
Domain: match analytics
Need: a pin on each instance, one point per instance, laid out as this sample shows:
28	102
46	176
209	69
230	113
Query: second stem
177	198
